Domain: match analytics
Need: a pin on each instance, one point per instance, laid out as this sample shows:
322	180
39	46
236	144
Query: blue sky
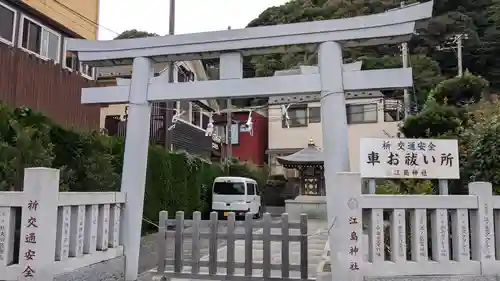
191	15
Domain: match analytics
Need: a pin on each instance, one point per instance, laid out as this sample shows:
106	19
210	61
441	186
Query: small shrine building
309	163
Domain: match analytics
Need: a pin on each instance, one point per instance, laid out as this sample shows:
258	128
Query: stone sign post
39	216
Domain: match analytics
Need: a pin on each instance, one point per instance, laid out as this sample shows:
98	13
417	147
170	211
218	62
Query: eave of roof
309	155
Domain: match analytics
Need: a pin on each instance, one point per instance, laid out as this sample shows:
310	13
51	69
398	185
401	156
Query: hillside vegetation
478	19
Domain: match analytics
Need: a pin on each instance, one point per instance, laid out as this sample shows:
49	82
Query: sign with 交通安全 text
409	158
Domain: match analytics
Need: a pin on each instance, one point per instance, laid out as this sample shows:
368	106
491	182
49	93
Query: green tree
426	72
478	19
134	33
434	121
405	186
21	147
480	146
461	90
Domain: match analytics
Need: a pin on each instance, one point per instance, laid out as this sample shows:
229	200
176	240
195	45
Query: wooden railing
240	258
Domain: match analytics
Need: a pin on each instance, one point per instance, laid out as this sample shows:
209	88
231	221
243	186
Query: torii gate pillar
336	153
334	122
135	162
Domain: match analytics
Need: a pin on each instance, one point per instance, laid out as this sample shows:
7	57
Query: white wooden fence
59	231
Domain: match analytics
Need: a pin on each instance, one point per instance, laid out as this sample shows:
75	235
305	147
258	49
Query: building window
87	71
205	119
393	110
184	75
361	113
195	115
298	117
7	24
315	114
220	131
69	59
235	133
40	40
111	124
184	107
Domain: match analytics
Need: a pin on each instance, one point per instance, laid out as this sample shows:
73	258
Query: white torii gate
331	82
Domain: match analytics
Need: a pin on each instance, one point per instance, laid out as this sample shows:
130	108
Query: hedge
90	161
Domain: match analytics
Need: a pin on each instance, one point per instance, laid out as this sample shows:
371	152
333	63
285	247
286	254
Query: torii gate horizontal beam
390	27
161	90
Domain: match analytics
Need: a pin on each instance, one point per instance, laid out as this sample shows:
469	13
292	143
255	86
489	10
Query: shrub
460	90
433	121
90	161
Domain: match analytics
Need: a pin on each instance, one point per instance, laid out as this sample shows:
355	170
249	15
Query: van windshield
229	188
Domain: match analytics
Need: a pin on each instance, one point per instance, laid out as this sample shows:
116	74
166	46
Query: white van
236	194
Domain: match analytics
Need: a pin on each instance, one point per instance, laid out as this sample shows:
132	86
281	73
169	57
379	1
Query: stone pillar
482	228
38	223
135	163
335	146
346	251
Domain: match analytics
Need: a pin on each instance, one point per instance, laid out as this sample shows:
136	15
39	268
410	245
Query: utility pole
406	96
459	39
404	56
229	122
456	43
169	106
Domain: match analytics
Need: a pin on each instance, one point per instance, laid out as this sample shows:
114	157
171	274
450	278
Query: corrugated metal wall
26	80
191	140
183	136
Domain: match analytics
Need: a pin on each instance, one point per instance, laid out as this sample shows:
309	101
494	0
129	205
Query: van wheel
259	214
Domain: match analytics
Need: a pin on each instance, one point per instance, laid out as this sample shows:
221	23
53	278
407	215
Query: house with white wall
369	114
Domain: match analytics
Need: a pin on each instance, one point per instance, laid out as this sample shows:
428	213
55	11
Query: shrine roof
311	155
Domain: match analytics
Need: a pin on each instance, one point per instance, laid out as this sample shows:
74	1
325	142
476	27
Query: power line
81	16
84	17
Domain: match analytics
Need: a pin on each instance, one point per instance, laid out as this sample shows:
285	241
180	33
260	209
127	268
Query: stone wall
110	270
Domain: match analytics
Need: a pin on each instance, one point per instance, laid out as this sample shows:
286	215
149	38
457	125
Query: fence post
39	223
482	229
346	233
7	233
